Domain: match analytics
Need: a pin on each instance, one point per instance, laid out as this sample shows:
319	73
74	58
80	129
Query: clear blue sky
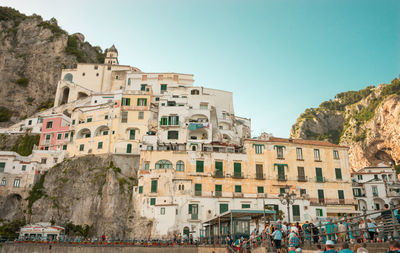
277	57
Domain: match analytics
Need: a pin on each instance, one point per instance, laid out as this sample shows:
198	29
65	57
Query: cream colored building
182	189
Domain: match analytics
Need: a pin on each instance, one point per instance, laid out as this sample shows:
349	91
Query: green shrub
47	104
36	193
53	27
72	230
23	81
7	14
24	144
11	229
5	114
73	49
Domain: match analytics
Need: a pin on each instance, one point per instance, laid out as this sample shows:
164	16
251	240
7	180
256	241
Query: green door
223	208
129	148
296	212
321	196
237	169
318	173
219	169
281	172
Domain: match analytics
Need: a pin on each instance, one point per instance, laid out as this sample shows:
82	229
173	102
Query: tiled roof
299	141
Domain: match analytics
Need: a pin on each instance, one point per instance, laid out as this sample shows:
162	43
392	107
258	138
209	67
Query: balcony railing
194	216
260	176
197	193
238	194
218	194
296	218
302	178
218	174
324	201
237	175
320	179
282	178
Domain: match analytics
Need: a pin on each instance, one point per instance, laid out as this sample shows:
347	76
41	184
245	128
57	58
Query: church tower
111	56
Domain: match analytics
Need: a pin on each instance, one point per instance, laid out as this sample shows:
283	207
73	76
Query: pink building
55	132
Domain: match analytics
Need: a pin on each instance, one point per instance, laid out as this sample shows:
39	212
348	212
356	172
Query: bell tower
111	56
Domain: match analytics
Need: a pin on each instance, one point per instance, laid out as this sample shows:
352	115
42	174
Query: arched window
194	92
163	164
180	166
68	77
4	181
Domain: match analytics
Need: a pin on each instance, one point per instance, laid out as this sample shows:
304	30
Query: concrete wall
33	248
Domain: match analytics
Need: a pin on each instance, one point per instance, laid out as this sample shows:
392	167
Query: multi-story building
180	189
55	132
375	186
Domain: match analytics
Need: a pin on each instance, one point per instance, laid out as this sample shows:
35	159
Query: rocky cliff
367	121
89	191
33	52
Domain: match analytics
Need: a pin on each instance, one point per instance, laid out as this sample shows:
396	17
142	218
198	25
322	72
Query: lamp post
287	199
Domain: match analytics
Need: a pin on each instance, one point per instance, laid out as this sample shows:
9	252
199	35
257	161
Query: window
281	172
124	117
140	189
100	145
29	122
141	115
299	153
163	164
163	88
173	120
132	134
296	212
259	171
164	121
203	106
48	137
218	190
49	124
59	136
317	156
376	177
336	154
46	148
341	194
66	135
321	196
152	201
199	166
105	116
303	191
245	206
223	208
319	177
258	148
197	189
16	182
129	148
219	168
300	174
43	161
96	67
237	170
180	166
194	92
126	102
81	147
282	190
319	212
143	87
238	188
279	151
105	132
338	173
162	211
194	211
3	181
142	102
357	192
64	147
89	120
154	185
260	189
73	122
375	191
173	135
23	168
2	166
147	166
359	177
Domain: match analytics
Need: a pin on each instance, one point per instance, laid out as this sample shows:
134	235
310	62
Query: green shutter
129	148
296	210
223	208
341	194
260	189
321	194
218	188
237	167
318	173
131	134
140	189
100	145
145	102
281	171
338	173
218	167
197	187
238	188
128	101
152	201
245	205
190	208
154	186
199	166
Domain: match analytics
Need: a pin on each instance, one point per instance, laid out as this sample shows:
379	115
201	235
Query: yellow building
180	189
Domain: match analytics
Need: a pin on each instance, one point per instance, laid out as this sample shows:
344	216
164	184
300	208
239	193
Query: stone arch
101	130
64	95
83	133
82	95
68	77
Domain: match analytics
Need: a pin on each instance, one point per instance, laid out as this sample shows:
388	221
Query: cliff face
91	191
367	121
33	52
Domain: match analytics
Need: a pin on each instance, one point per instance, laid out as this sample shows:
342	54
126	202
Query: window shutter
197	187
154	186
338	173
296	210
237	167
341	194
190	208
218	166
199	166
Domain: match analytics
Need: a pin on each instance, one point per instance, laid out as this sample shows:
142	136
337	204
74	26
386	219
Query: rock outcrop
33	52
91	191
367	121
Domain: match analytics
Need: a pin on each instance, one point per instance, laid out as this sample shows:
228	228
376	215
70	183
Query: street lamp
287	199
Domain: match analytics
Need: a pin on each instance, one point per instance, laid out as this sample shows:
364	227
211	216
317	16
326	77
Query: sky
277	57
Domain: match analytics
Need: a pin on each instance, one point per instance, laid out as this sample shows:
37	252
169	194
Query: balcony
302	178
197	193
282	178
320	179
238	175
296	218
218	194
238	194
194	216
260	176
323	201
317	201
218	174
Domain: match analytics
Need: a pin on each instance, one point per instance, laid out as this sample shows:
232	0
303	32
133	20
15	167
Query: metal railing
302	178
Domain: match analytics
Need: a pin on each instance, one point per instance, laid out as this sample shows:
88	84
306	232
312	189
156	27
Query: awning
341	210
226	216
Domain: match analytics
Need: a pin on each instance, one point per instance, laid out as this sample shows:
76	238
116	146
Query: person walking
277	236
371	230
